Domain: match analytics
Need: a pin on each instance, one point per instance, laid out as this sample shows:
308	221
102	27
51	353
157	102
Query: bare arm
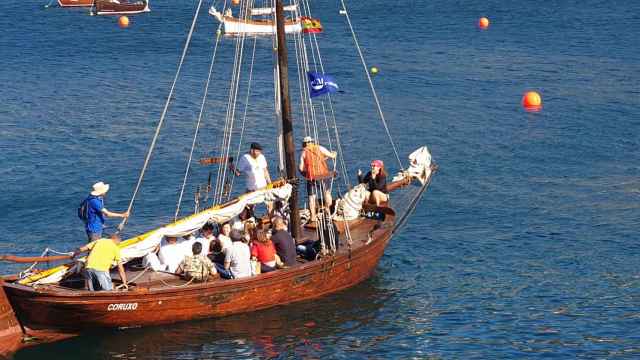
115	214
267	176
301	162
84	248
327	153
123	275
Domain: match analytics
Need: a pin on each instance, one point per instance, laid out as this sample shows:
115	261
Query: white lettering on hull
122	307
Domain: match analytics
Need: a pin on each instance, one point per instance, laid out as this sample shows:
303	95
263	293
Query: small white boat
235	26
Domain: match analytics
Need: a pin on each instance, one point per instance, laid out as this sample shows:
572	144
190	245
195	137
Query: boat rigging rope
230	116
246	106
373	90
162	116
195	135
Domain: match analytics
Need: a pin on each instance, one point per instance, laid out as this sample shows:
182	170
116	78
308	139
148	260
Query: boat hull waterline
104	7
75	3
75	311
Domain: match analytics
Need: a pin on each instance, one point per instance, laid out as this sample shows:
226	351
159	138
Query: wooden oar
30	259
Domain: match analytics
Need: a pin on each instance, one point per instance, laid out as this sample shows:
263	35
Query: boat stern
10	329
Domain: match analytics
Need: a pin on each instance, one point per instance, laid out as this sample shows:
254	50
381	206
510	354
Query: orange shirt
264	252
315	163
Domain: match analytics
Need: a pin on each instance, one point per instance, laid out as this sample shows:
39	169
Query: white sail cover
144	244
419	166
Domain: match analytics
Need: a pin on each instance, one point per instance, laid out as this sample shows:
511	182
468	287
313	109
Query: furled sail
144	244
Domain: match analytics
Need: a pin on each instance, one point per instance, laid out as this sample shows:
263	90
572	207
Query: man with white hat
92	211
313	166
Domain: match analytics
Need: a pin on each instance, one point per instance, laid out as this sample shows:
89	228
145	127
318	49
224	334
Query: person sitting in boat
313	166
376	181
224	236
92	211
327	233
283	242
206	237
263	250
216	252
104	252
237	262
254	166
171	254
249	232
196	267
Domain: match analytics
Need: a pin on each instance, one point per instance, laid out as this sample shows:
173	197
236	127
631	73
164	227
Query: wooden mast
287	125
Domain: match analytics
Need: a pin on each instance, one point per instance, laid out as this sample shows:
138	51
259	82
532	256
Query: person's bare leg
328	200
312	207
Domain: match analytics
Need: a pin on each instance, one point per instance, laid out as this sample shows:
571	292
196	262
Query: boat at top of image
52	303
247	22
120	7
75	3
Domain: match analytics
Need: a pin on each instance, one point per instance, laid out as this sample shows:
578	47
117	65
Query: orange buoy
235	2
123	21
532	101
483	23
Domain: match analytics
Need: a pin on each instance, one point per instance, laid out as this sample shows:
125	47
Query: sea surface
525	246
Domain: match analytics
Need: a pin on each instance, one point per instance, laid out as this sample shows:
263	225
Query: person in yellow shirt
104	252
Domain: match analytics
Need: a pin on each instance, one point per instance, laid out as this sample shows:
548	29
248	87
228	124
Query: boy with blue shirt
95	211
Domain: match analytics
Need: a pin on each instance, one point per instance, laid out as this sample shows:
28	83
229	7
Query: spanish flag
310	25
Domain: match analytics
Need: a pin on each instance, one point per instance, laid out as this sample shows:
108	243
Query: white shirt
239	258
171	255
254	170
226	242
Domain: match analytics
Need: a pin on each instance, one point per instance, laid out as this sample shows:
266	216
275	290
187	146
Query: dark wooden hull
69	312
10	331
105	7
75	3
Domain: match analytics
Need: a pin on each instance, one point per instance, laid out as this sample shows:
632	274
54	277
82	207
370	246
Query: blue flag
320	84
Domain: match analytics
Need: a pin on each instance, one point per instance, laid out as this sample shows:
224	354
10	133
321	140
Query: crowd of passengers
237	251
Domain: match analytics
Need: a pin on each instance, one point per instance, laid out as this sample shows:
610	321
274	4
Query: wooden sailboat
75	3
52	304
120	7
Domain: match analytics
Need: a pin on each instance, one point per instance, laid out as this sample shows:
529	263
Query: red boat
120	7
50	312
75	3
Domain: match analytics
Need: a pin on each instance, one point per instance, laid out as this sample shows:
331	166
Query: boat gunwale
230	285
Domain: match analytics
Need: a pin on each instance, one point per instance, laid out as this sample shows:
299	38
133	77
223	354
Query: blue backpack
83	209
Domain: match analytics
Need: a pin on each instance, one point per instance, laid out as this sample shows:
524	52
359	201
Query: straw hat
100	188
307	139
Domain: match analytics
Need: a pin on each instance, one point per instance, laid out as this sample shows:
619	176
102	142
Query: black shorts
314	185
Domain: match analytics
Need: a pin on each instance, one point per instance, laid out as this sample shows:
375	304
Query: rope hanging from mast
373	90
195	136
246	107
162	116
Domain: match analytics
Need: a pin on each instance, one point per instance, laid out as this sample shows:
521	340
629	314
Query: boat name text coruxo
122	307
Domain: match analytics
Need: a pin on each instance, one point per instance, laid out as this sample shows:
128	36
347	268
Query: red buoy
123	22
483	23
531	101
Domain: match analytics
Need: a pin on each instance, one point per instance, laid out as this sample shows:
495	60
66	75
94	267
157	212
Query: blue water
525	246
